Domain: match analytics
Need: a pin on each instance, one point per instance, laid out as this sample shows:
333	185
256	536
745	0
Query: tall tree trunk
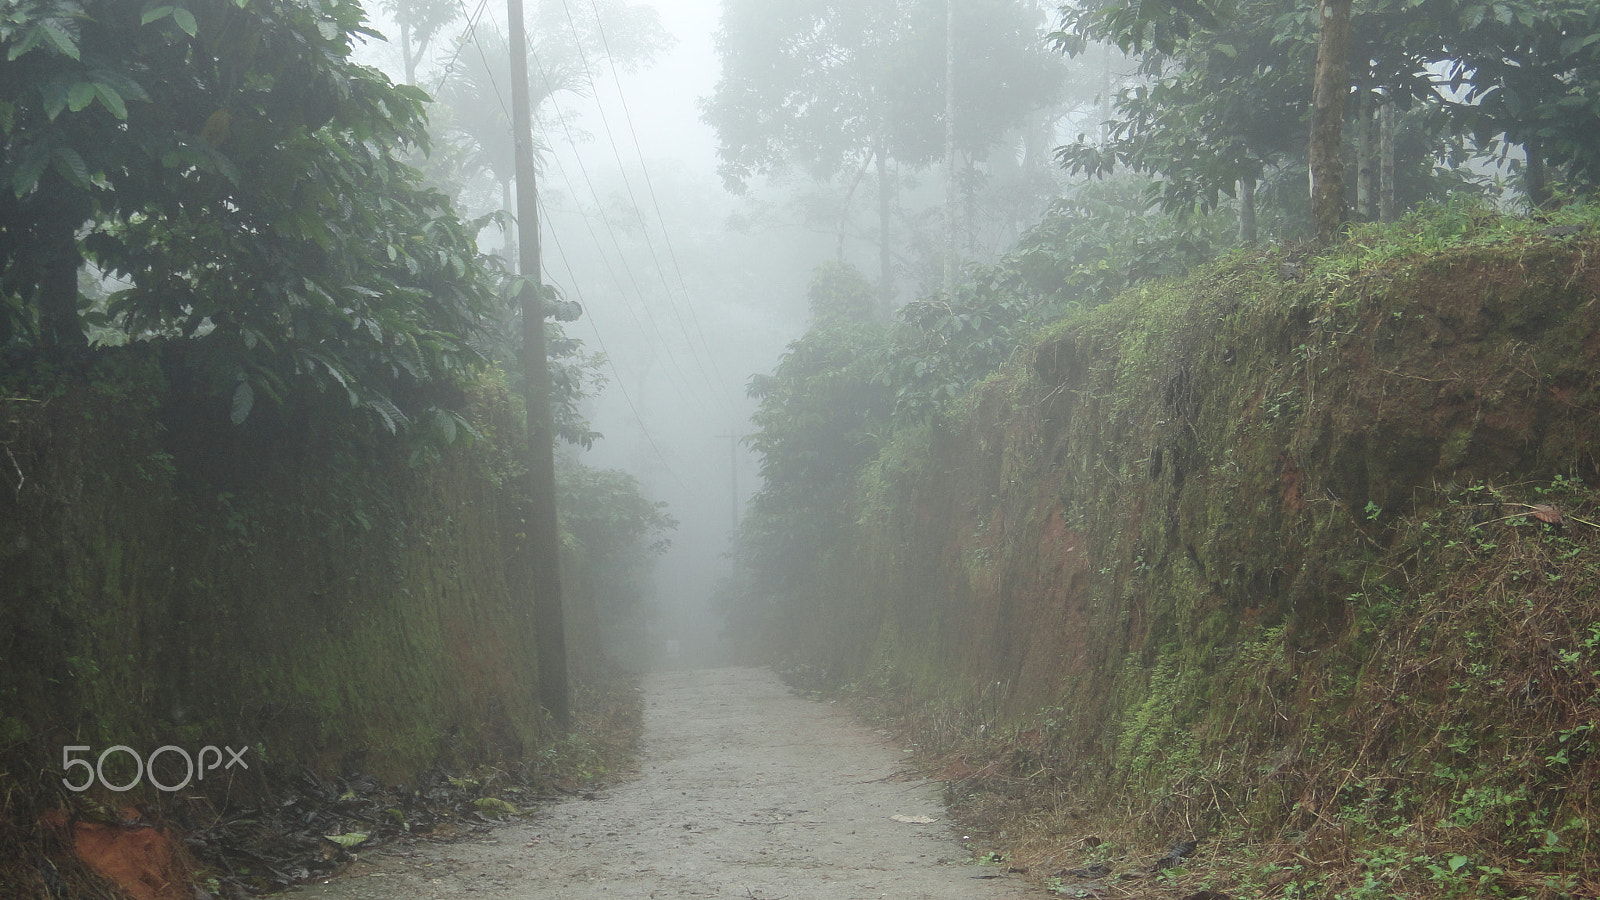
949	146
1366	160
885	258
844	208
1536	177
59	261
406	55
969	206
1330	86
1386	161
1247	211
544	536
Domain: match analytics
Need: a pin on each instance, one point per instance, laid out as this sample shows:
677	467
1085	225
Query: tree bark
1536	177
1386	162
1247	211
885	257
1366	160
544	537
844	208
406	55
59	261
949	146
1330	86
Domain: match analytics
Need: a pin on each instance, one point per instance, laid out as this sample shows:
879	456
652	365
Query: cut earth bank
744	791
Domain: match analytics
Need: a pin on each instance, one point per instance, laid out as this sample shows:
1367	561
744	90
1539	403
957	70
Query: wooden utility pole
543	535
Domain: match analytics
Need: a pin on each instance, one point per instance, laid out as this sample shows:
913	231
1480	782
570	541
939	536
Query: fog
683	306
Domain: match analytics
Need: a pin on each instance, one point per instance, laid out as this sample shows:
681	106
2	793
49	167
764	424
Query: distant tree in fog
832	88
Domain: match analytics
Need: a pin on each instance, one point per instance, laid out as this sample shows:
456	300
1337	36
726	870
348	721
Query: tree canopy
1226	87
821	84
244	183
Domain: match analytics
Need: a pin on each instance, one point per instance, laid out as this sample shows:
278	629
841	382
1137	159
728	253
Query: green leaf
80	95
243	399
31	164
445	424
111	100
71	166
60	38
349	839
185	20
154	13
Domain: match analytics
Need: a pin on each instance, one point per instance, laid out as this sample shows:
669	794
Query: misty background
687	290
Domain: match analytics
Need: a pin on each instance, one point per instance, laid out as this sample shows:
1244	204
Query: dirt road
745	791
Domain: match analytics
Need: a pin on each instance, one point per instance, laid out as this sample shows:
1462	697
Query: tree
420	22
1228	87
1329	87
229	163
566	51
833	88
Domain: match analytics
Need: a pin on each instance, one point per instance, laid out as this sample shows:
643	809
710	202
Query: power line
622	256
610	361
622	171
550	92
650	187
472	33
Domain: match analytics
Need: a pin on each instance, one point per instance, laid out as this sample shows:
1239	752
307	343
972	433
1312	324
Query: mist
686	290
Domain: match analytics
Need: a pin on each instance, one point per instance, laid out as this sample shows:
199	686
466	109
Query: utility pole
543	536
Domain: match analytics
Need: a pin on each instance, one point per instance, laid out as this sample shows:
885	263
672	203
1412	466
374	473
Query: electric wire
594	325
650	188
622	256
638	209
472	37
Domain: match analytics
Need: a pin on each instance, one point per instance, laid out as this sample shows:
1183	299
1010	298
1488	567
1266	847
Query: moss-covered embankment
1296	551
294	587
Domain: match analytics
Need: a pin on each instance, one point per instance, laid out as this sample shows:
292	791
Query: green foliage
821	85
611	534
821	417
1226	90
1277	544
246	183
840	295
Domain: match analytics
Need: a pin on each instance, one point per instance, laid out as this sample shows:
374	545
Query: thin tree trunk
844	211
1247	211
969	203
1329	89
885	259
1536	176
949	146
406	55
61	258
1386	162
1366	160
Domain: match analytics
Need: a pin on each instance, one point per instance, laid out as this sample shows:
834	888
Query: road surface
744	790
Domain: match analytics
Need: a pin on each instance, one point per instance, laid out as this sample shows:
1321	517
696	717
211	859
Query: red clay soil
139	859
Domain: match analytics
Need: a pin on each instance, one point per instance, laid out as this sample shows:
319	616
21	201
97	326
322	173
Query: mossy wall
1150	546
292	585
